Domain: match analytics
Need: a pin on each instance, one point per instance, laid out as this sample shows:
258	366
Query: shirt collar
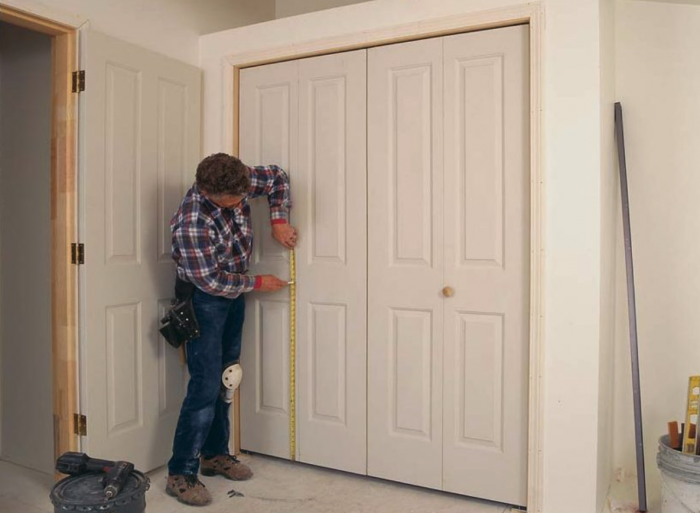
213	207
204	200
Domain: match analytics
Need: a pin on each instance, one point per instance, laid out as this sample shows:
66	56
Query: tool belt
180	323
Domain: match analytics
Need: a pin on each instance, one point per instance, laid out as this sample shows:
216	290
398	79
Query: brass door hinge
79	424
79	81
77	253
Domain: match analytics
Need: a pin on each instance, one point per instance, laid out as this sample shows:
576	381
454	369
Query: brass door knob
448	292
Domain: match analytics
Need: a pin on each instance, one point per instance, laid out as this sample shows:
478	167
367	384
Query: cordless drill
116	472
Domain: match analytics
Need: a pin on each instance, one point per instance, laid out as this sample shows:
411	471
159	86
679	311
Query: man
212	242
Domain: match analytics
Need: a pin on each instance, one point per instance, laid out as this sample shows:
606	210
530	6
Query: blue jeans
203	427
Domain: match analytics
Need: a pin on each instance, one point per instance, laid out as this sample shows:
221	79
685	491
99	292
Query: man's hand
285	234
271	283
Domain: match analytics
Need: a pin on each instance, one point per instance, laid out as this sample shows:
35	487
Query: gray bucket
85	493
680	479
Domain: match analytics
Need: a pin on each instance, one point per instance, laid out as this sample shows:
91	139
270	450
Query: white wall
25	320
572	98
170	27
573	156
658	72
609	216
285	8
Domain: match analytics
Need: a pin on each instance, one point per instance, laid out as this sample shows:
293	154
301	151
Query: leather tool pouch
180	323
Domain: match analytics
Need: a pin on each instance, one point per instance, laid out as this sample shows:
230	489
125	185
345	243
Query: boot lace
230	458
193	481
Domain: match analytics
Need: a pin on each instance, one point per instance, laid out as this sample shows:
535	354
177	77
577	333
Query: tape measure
292	356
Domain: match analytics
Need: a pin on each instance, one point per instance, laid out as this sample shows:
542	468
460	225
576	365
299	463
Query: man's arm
200	264
273	182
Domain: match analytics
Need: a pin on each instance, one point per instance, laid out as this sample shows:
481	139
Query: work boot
188	490
225	465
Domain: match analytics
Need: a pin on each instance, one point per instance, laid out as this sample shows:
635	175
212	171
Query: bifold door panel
141	147
405	262
269	131
487	264
331	193
309	117
410	181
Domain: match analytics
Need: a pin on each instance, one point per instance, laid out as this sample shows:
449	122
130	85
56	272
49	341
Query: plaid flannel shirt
212	245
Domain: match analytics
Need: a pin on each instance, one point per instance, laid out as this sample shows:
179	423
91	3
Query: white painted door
309	117
405	192
446	374
487	263
268	135
331	212
140	122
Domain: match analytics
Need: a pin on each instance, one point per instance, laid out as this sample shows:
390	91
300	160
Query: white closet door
141	148
268	135
487	264
331	213
405	262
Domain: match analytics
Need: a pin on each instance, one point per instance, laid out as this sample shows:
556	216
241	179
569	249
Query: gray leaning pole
632	308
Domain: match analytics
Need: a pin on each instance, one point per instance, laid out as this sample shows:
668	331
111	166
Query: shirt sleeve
273	182
197	259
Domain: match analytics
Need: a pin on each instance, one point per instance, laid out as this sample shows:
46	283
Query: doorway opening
25	230
38	380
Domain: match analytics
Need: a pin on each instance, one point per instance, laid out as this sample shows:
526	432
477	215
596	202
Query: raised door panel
330	212
479	365
405	262
125	392
487	264
410	373
327	388
123	163
272	355
274	134
175	173
268	135
141	133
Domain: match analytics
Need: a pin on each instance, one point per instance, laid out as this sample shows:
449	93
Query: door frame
64	129
530	14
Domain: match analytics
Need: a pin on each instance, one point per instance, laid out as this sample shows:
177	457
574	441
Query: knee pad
230	379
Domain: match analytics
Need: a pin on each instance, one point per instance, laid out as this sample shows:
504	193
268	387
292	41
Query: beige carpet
278	487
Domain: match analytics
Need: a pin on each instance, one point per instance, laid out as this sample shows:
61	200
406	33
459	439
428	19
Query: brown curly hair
223	174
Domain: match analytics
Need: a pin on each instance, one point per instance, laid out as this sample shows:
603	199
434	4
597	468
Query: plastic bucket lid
682	466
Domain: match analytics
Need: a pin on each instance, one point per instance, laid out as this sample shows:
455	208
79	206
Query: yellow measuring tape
692	411
292	356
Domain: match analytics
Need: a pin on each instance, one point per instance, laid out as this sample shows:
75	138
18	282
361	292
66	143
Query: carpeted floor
278	487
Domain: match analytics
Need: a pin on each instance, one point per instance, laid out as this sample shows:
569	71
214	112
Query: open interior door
140	124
